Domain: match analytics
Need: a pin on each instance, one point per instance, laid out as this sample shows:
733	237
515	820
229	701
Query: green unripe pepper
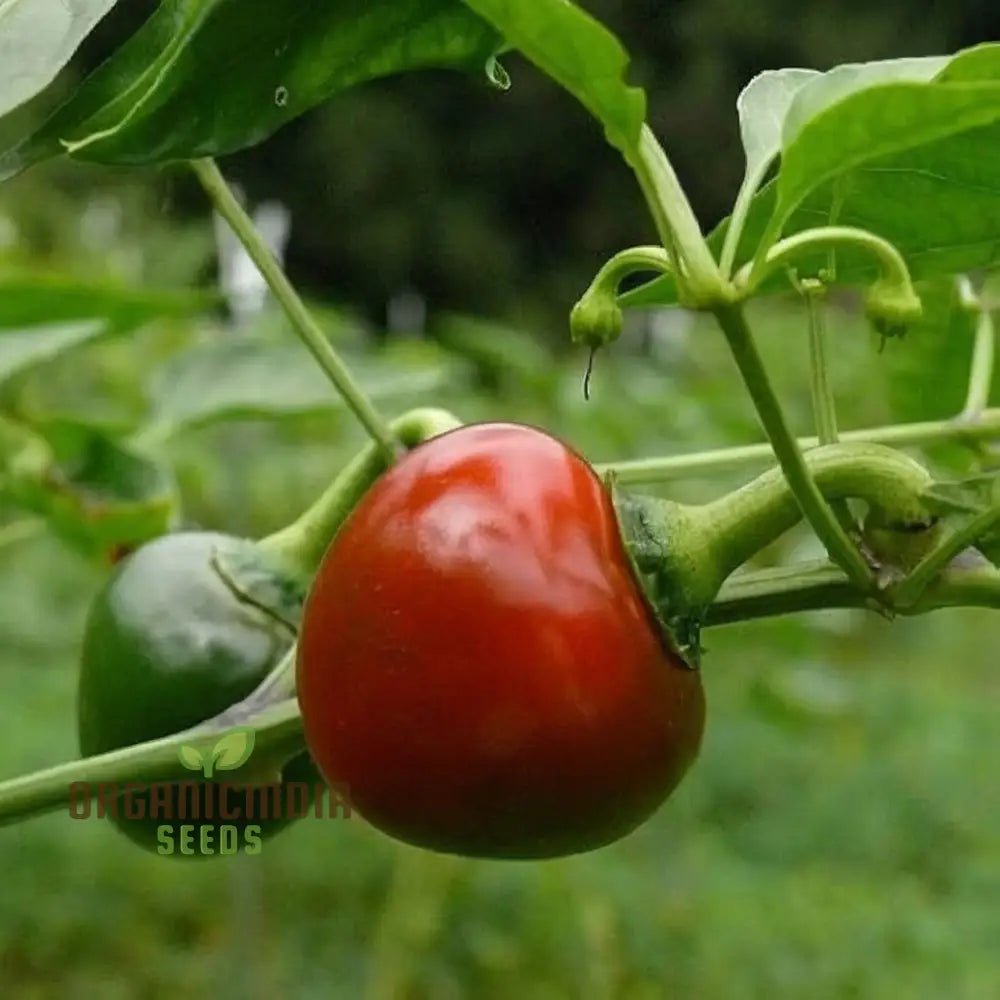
191	623
168	644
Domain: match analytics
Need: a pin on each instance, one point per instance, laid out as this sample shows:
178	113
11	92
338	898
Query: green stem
738	219
300	546
824	406
630	261
277	686
977	587
909	590
821	586
302	321
815	508
698	276
783	590
659	470
278	731
891	261
981	372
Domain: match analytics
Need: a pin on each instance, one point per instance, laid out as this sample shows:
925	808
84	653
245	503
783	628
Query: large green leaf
917	162
982	62
21	349
830	88
241	378
928	371
207	77
37	38
762	106
579	53
895	139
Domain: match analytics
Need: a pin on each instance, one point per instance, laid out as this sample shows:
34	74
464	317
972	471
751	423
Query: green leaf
27	299
37	38
830	88
21	349
762	106
917	162
244	378
967	495
981	62
208	77
190	756
945	499
989	293
579	53
95	493
234	749
906	140
962	499
927	372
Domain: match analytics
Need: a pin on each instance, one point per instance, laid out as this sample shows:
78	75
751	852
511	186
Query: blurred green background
838	837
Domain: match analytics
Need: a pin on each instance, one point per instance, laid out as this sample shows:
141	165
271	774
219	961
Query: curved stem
659	470
302	321
300	546
626	262
745	521
278	730
891	261
596	319
815	508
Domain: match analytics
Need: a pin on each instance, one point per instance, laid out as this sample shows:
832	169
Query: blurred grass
837	839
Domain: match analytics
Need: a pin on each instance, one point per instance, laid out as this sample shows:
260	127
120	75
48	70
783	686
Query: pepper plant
879	177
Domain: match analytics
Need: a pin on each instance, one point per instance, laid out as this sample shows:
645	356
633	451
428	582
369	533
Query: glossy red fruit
478	664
